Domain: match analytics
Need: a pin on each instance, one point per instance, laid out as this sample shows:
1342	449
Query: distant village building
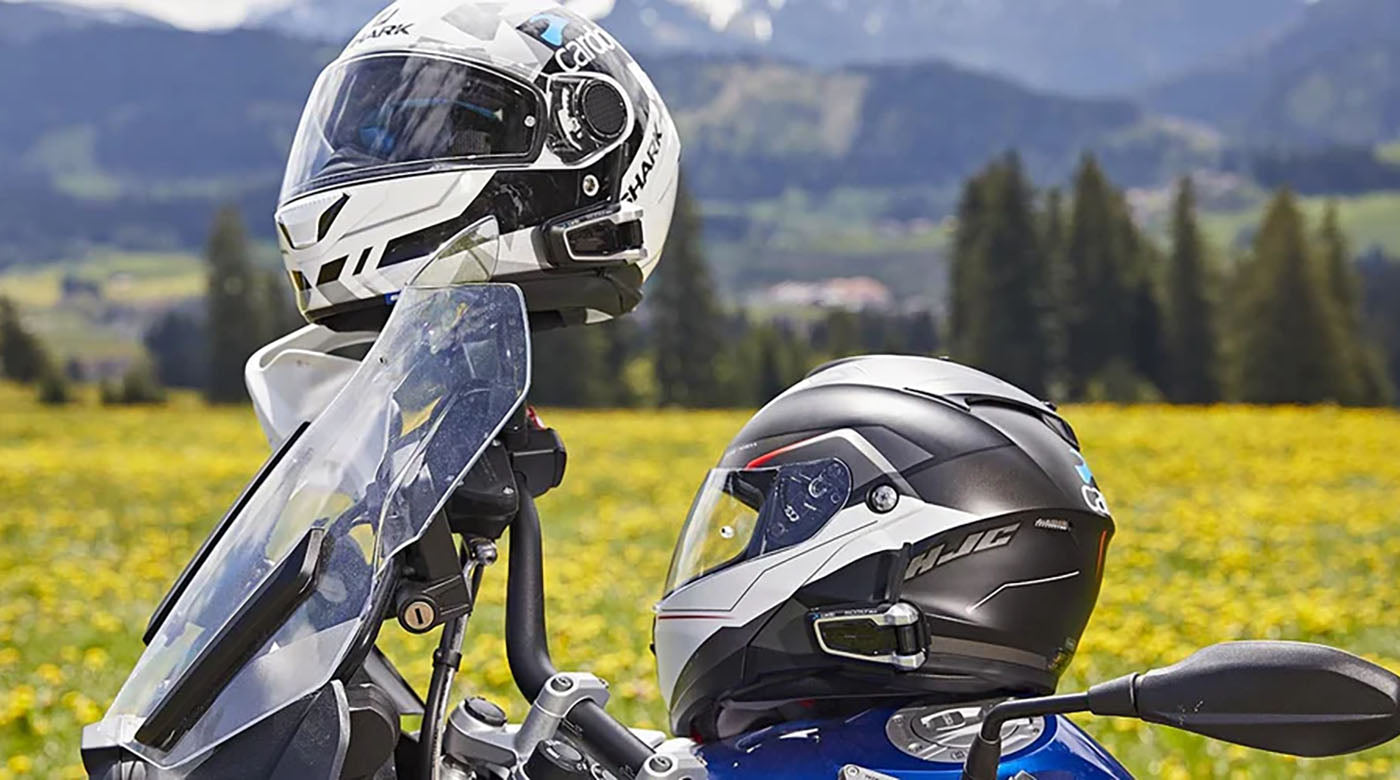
852	294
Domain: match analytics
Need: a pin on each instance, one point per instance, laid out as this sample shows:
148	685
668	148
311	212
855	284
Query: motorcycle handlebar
527	644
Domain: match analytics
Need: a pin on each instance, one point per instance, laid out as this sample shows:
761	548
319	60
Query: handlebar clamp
557	698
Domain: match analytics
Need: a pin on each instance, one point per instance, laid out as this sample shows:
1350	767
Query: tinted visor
741	514
397	113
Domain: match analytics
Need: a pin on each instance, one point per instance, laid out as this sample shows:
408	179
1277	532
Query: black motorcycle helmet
890	528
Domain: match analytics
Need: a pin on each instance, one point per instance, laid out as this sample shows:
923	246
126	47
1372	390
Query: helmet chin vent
327	220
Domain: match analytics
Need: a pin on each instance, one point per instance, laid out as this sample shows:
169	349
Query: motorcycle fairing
308	739
372	470
293	379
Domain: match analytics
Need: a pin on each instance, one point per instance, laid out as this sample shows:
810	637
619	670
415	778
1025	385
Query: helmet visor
742	514
386	114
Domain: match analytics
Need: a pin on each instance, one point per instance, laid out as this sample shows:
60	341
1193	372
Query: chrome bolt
884	499
591	185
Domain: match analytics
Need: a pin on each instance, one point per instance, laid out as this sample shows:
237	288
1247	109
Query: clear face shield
743	514
386	115
266	613
394	114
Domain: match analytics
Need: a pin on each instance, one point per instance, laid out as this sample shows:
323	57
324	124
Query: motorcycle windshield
358	486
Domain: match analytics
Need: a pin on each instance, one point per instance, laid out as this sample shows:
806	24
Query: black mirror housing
1285	697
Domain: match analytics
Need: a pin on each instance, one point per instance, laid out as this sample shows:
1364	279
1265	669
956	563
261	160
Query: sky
205	14
195	14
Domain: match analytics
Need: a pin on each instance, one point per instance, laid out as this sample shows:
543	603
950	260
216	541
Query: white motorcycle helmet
890	529
444	113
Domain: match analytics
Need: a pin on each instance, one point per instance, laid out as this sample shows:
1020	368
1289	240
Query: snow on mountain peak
719	12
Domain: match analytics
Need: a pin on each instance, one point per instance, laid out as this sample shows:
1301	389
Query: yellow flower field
1233	523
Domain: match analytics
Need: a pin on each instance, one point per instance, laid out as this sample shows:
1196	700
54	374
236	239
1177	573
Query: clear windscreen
385	113
372	470
742	514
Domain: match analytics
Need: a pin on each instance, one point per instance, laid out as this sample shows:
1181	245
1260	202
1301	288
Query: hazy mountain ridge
1078	46
138	156
32	20
754	128
141	154
1331	78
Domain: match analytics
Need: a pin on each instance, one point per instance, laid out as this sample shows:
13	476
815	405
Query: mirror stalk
984	758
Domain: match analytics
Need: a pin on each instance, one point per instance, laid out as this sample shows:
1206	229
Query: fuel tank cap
944	734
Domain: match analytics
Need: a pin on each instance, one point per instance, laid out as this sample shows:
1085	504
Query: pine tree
22	356
236	321
177	343
769	378
1003	277
570	368
1381	275
966	256
687	319
1362	377
621	344
54	389
781	360
1104	281
138	387
1056	295
1192	341
881	333
921	334
1149	340
841	334
1287	332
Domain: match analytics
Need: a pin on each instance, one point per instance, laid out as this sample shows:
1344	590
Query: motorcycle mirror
1286	697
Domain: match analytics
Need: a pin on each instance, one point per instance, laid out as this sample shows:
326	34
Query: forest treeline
1068	298
1059	292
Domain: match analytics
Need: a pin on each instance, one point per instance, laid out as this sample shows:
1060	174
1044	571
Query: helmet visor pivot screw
591	186
883	499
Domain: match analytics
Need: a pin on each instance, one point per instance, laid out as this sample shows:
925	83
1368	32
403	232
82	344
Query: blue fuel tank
913	743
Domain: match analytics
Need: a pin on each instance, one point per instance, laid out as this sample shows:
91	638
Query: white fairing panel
292	380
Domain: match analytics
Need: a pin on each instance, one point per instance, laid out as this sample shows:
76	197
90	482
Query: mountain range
32	20
1332	77
1073	46
138	153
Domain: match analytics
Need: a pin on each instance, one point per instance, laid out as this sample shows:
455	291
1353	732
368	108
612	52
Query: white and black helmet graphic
443	113
890	528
